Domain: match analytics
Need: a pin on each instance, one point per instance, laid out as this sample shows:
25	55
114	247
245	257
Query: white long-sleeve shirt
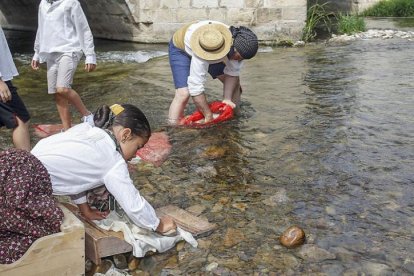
7	67
85	157
199	67
63	28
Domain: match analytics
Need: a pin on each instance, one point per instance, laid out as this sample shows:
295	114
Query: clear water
325	141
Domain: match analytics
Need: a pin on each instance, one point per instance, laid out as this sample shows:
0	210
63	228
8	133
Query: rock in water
292	237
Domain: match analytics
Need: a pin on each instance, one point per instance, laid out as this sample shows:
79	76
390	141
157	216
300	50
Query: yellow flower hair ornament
116	109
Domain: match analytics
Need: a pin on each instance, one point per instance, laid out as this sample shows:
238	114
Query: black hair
131	117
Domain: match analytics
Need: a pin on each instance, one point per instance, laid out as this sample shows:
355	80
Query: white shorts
61	68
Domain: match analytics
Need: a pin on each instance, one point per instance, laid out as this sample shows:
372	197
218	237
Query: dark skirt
28	211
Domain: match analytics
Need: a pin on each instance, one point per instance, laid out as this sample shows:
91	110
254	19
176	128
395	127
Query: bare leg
21	137
63	109
178	104
73	98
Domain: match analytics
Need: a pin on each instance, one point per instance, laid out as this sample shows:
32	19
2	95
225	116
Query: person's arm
90	213
229	86
120	185
85	209
85	36
231	80
196	80
35	59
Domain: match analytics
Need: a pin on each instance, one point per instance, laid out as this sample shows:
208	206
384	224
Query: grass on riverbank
391	8
317	17
319	20
350	24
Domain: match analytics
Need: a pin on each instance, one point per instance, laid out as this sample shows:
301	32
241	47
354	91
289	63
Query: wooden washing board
100	243
62	253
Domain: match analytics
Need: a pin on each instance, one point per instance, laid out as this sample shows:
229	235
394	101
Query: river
325	141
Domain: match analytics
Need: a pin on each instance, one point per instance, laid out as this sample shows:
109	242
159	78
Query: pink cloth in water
156	150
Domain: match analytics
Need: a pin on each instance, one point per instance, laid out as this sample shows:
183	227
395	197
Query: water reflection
325	141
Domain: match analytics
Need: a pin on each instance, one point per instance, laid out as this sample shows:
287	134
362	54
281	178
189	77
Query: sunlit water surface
325	141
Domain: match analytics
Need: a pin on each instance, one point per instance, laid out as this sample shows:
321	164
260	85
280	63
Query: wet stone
207	171
292	237
233	237
376	268
214	152
312	253
204	243
133	262
172	262
180	245
140	273
277	199
211	266
240	206
196	209
120	261
103	267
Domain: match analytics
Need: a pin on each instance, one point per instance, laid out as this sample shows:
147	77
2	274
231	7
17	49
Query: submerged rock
233	237
214	152
312	253
292	237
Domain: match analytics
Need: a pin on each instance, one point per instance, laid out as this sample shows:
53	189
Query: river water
325	141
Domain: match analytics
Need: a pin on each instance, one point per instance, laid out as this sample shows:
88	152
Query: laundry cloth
143	240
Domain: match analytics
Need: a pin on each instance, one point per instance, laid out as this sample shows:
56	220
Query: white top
199	67
63	28
7	67
83	158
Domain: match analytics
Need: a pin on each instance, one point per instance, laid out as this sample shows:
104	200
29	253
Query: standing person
13	112
207	47
62	35
72	163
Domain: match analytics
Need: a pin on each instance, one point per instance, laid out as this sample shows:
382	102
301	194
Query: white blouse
63	28
199	67
85	157
7	67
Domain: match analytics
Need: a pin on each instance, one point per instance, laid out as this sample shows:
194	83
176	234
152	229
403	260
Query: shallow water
324	141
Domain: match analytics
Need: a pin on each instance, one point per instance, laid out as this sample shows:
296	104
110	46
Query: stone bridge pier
154	21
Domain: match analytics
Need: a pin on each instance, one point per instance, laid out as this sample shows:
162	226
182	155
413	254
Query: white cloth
143	240
199	67
63	28
85	157
7	67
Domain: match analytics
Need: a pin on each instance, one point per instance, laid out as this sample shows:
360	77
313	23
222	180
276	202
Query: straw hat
211	41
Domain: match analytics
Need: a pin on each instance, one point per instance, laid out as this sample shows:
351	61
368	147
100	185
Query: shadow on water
324	141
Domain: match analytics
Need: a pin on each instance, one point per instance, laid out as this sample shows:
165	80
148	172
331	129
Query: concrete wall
155	20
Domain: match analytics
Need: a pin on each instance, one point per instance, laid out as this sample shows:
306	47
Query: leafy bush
391	8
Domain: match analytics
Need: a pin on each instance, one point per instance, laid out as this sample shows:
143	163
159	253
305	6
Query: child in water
63	35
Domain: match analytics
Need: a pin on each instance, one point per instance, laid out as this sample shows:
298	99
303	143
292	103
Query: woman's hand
92	214
166	225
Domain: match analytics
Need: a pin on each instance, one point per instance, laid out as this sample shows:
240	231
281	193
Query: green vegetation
391	8
350	24
317	17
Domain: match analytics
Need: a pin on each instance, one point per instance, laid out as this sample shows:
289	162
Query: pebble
292	237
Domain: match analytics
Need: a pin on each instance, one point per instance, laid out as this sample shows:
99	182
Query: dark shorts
15	107
180	63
